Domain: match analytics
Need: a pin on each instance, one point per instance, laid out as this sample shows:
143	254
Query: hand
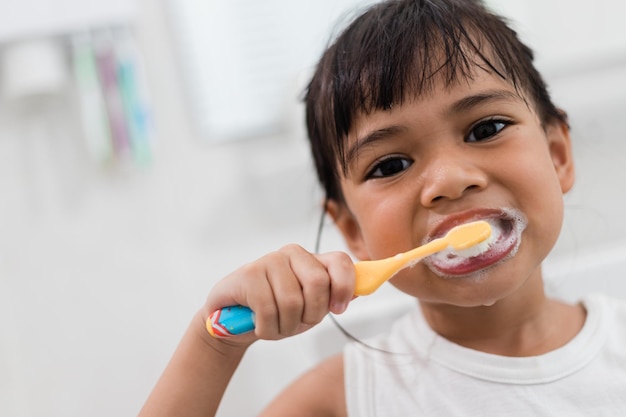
290	291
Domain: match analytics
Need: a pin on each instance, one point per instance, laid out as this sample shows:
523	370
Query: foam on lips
506	234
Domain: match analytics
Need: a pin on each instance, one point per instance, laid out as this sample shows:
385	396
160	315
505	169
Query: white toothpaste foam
493	246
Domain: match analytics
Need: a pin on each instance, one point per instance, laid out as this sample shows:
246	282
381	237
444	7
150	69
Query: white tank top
427	375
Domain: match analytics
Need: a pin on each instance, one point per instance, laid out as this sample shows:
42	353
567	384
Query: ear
560	145
349	228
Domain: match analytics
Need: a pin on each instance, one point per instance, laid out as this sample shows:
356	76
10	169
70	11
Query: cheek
386	222
530	175
540	184
537	191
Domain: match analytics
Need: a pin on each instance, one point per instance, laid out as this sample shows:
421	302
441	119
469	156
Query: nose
451	175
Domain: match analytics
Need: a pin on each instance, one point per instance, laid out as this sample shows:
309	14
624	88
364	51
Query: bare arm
194	381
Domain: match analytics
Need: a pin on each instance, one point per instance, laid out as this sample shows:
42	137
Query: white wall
101	270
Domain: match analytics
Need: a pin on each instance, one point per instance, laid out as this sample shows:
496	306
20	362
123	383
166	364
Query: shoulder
607	316
616	309
318	392
606	305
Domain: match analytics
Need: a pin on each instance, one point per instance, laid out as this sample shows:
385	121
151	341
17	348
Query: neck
524	324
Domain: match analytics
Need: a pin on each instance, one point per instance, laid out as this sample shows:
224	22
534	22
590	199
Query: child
423	115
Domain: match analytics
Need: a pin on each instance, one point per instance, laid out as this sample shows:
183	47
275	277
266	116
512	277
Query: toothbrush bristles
476	249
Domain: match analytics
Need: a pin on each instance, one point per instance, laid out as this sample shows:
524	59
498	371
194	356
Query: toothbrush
470	239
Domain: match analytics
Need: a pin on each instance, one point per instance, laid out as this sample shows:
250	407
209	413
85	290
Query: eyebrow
469	102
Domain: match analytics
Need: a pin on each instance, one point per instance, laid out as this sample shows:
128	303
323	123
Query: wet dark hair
399	49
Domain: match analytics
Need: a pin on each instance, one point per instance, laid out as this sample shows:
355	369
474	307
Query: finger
314	281
340	269
287	292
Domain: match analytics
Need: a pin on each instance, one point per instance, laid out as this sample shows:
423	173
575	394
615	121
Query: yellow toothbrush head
468	234
470	239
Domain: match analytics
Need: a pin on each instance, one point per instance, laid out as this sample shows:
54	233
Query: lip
507	227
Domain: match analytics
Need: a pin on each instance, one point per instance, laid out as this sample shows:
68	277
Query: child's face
474	151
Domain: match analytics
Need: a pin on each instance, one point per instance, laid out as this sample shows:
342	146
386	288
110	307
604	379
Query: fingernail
338	308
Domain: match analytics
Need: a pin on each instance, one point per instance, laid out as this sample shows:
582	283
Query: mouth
507	226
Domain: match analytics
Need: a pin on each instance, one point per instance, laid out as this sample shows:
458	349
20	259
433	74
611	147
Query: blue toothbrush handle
230	321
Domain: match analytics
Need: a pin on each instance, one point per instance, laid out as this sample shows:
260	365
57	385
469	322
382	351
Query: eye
389	166
486	129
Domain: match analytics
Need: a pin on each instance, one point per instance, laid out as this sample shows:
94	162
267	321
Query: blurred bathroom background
150	147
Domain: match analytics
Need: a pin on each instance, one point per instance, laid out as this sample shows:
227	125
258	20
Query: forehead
479	87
